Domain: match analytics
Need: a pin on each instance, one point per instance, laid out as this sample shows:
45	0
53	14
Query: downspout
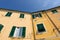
52	23
33	29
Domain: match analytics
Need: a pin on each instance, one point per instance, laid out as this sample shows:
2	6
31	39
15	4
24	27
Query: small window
9	14
54	11
33	16
21	15
40	15
18	32
40	28
1	26
36	15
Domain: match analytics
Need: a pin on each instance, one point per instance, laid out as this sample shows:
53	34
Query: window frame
44	28
21	15
37	15
55	11
23	34
8	14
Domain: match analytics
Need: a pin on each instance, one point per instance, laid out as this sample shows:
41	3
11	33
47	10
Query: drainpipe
33	29
52	23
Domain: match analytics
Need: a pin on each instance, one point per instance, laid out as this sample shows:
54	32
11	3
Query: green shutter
12	31
21	15
1	26
54	11
23	32
40	28
8	14
36	15
40	15
33	16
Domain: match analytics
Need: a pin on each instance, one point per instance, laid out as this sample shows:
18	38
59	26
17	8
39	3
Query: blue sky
29	5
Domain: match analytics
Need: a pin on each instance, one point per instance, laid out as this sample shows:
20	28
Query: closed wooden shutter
54	11
21	15
23	32
12	31
9	14
33	16
1	26
40	28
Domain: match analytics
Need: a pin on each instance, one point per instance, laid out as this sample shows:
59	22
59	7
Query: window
1	26
54	11
21	15
8	14
18	32
40	15
40	28
36	15
33	16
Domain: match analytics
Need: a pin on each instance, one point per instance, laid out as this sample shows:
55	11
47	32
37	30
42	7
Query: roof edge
29	12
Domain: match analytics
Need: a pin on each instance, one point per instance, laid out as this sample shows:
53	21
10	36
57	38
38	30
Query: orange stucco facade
50	21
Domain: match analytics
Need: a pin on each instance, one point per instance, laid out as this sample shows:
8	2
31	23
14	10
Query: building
13	24
43	28
19	25
54	16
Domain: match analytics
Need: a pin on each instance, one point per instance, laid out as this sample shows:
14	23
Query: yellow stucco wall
48	26
14	20
55	17
31	25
